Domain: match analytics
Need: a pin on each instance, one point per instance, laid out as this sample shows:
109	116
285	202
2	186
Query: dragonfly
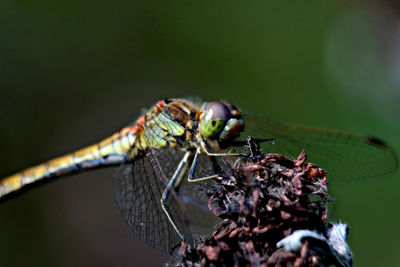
168	159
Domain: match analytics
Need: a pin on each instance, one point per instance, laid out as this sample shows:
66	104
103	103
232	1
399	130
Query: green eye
211	128
213	120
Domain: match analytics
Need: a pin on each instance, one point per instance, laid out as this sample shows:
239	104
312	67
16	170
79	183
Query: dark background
73	72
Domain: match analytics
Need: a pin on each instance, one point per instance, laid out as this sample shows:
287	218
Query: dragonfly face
221	121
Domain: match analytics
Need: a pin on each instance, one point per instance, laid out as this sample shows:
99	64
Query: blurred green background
73	72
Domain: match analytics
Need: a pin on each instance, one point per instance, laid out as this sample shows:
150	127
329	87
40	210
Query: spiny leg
205	150
194	164
250	142
193	168
203	147
171	184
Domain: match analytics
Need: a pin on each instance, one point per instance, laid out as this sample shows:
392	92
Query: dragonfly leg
204	148
176	178
193	168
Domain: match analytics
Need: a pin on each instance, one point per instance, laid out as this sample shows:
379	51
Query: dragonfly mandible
178	142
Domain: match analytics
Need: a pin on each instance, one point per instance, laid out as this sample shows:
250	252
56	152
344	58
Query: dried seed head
266	200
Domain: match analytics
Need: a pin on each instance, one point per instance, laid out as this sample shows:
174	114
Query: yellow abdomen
112	150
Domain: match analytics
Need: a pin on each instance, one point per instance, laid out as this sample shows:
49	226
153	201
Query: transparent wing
196	194
138	189
345	156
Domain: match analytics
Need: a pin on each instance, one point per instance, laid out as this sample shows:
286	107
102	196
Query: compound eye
214	119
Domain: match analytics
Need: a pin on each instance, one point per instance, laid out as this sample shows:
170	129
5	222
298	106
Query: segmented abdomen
112	150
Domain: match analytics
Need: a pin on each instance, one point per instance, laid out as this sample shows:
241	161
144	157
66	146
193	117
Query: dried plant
274	214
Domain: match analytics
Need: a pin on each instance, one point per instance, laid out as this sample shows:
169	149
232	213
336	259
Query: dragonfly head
220	121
